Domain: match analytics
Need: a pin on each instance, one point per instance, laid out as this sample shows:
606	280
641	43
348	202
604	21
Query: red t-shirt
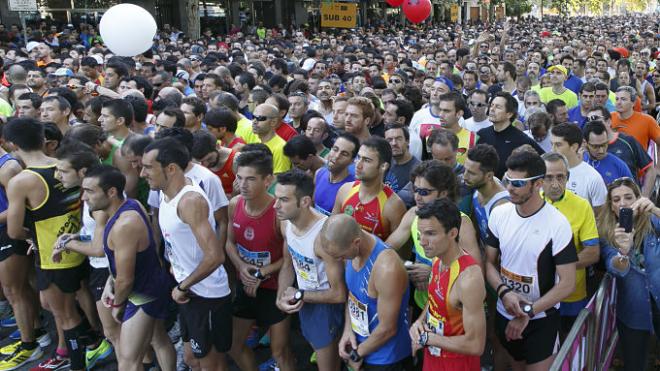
285	131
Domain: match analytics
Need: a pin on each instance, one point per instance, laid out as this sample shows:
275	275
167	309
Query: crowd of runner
408	194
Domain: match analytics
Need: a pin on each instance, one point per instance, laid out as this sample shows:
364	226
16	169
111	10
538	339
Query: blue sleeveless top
4	203
482	212
326	192
150	281
364	309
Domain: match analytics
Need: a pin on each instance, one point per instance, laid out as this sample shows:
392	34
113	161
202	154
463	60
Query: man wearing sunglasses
585	235
264	121
478	104
530	261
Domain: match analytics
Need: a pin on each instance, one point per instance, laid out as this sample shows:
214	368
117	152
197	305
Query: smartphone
626	219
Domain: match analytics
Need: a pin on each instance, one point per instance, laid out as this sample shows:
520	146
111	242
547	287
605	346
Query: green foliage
517	7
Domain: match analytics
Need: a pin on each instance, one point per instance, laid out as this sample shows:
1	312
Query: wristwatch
354	356
423	338
298	296
529	310
257	274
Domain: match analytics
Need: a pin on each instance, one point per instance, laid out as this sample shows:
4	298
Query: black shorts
9	247
206	323
68	280
97	280
262	308
403	365
540	338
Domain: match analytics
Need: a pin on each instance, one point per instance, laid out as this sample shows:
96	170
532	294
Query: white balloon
127	29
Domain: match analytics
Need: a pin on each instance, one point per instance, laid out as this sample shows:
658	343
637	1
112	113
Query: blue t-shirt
575	115
610	167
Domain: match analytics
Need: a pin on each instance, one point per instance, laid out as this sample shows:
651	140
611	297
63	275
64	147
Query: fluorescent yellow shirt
466	140
567	96
244	130
281	163
580	215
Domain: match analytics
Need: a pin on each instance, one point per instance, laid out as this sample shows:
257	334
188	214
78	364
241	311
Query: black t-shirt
505	142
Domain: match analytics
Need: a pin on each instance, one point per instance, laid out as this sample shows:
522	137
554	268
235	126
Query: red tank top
370	215
235	141
226	174
257	239
444	319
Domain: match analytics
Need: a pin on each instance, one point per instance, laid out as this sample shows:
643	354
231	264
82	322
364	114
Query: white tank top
87	234
310	270
182	249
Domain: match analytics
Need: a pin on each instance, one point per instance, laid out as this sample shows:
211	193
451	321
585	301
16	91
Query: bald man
376	327
264	122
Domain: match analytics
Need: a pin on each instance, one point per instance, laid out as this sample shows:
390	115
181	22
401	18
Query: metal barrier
591	342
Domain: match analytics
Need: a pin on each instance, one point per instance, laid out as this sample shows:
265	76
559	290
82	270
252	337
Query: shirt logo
349	210
249	234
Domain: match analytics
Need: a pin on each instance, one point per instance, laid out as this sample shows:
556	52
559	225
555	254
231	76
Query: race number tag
438	327
359	316
305	268
256	258
522	285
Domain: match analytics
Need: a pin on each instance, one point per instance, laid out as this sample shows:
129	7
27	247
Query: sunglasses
395	81
477	104
261	118
595	118
519	183
423	191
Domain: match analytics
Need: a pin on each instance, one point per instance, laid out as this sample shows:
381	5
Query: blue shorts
572	309
157	308
321	324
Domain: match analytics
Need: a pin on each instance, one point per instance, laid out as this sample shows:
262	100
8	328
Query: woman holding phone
629	229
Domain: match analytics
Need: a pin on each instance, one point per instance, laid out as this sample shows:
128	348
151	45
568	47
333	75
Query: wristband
114	305
497	290
178	287
504	292
354	356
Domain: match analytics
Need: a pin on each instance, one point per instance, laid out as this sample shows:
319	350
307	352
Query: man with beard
579	114
398	137
373	204
360	114
325	93
36	80
339	112
530	261
114	72
329	179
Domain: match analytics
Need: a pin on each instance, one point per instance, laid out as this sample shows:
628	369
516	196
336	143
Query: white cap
31	45
98	58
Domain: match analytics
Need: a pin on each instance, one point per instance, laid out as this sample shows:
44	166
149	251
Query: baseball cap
181	74
558	67
31	45
63	72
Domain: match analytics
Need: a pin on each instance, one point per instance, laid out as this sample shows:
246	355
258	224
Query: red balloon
394	3
417	10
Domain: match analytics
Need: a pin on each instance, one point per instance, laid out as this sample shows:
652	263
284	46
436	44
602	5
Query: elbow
476	347
338	295
13	234
388	331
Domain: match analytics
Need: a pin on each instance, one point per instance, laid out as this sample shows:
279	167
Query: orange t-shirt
640	126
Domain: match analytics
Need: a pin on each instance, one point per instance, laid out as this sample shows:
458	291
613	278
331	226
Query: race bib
359	316
256	258
522	285
438	327
305	268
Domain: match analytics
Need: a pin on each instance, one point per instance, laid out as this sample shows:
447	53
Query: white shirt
475	126
207	181
587	183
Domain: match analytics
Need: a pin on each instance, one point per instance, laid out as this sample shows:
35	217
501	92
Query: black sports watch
298	296
354	356
529	310
423	338
258	275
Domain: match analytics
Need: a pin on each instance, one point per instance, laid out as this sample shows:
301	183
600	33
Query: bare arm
287	274
401	234
221	219
334	269
230	245
472	293
588	256
194	210
651	95
394	211
8	171
17	190
390	282
492	271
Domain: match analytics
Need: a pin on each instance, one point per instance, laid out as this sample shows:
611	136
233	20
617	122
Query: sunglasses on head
261	118
595	118
519	183
423	191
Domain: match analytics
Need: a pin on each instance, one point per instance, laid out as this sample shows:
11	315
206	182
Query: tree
517	7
